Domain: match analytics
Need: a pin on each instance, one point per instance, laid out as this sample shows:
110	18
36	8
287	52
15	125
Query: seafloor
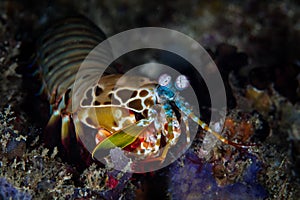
256	47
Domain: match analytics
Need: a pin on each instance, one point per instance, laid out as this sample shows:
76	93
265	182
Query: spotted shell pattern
126	100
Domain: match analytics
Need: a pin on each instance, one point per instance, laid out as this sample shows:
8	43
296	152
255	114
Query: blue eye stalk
165	93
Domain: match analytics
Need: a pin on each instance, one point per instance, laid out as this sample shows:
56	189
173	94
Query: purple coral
8	191
195	180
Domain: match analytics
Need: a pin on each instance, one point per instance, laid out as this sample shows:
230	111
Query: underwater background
255	45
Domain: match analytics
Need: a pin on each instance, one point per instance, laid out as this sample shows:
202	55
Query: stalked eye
164	79
181	82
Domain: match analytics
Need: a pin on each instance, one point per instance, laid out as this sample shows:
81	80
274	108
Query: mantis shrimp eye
164	80
181	82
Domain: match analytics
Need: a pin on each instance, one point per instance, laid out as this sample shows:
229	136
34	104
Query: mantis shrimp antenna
167	91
